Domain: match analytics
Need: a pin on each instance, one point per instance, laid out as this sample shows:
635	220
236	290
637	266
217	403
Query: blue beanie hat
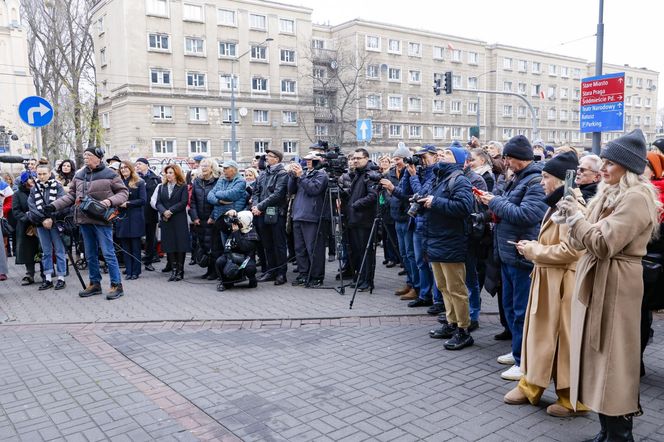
456	143
459	154
25	176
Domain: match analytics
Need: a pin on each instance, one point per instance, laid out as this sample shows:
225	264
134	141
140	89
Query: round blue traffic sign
35	111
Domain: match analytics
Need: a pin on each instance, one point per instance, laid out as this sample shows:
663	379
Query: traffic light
448	82
436	86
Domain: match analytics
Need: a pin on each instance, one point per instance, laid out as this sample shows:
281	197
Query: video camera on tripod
335	164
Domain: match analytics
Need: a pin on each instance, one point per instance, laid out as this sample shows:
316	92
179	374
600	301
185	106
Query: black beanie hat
629	151
560	164
95	151
519	147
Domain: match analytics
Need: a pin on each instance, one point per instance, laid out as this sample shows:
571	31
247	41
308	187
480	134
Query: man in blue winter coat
310	212
520	210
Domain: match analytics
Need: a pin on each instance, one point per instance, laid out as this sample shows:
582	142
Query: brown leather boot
410	295
403	290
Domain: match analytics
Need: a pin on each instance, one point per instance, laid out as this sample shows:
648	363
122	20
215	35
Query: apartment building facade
165	68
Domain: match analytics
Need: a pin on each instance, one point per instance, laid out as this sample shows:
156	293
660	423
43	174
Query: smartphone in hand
477	191
511	242
570	179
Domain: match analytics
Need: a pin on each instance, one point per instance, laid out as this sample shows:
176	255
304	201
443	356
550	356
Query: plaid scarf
45	193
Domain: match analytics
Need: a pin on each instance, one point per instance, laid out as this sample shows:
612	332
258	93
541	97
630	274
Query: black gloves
49	210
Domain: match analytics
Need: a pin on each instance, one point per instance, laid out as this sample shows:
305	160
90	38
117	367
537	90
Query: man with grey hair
588	176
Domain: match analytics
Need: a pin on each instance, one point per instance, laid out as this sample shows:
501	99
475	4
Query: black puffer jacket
199	206
362	199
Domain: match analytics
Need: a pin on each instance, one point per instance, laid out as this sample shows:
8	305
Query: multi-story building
165	69
16	81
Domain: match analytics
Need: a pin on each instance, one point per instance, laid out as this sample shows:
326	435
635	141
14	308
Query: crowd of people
563	258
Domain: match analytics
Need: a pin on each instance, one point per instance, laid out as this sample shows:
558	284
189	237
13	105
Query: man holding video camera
362	199
95	187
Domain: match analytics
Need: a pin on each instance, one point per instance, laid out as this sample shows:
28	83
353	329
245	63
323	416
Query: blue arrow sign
364	130
35	111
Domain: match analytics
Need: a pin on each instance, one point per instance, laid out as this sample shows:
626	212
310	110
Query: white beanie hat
246	218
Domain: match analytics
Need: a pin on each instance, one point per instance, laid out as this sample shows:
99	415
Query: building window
102	56
564	93
394	46
646	120
507	133
321	101
395	131
551	114
261	117
289	146
288	87
199	147
438	132
648	102
438	106
373	71
456	81
100	25
259	84
507	63
317	43
226	115
521	112
536	67
163	147
415	76
523	88
576	73
287	26
394	74
473	58
225	82
260	146
472	107
507	86
159	42
192	13
287	56
259	53
535	90
289	117
552	136
414	131
456	56
551	92
438	53
373	101
575	115
226	17
637	101
373	43
577	93
160	112
628	81
414	104
321	130
507	110
457	133
194	46
257	21
227	49
553	70
106	120
639	82
319	73
196	80
523	66
377	130
472	82
455	107
228	146
564	72
160	77
198	114
563	115
394	102
157	7
414	49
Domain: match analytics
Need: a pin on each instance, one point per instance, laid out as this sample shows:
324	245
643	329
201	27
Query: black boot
619	428
179	276
172	265
601	436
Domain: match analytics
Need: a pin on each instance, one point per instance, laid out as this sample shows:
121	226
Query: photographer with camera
269	207
238	258
95	187
310	220
362	198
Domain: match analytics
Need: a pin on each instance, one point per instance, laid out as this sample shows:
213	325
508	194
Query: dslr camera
415	207
415	160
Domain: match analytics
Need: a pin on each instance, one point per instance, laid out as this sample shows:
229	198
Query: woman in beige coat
606	308
545	348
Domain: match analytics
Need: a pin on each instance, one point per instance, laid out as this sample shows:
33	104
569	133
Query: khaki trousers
451	281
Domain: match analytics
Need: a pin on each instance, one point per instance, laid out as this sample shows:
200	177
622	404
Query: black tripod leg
78	272
364	258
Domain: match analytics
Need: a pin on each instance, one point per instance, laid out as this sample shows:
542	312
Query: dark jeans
390	243
275	244
132	255
309	241
249	270
100	237
150	242
516	289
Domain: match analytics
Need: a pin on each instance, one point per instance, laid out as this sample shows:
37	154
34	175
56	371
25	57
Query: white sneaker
506	359
512	374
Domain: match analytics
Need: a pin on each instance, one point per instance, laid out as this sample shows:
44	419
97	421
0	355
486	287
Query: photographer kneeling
238	261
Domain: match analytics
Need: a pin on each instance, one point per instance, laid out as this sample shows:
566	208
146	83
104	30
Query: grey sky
632	27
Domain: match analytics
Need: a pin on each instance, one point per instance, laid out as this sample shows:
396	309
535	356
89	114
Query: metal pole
599	61
39	142
479	131
233	112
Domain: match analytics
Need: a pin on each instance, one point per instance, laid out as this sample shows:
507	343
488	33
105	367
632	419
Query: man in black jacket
269	206
363	195
151	219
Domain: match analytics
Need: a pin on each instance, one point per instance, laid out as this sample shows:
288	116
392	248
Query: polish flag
542	95
450	47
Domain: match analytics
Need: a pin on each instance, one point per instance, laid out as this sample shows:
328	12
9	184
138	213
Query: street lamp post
479	130
233	104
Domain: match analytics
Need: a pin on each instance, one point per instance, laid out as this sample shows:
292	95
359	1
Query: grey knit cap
629	151
402	152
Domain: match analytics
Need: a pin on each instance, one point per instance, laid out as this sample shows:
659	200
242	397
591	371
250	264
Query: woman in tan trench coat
545	348
606	308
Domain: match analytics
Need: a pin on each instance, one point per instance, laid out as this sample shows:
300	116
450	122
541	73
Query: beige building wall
187	112
16	81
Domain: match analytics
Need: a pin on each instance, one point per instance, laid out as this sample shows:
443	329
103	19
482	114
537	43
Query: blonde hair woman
606	309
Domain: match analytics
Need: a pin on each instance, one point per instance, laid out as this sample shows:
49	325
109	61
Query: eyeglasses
584	170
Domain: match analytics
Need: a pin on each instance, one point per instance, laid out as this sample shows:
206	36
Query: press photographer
237	263
311	217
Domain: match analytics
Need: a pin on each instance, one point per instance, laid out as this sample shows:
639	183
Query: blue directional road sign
364	130
35	111
602	103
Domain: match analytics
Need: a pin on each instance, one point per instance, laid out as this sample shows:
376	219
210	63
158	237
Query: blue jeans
516	288
50	240
473	285
407	251
94	238
424	269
